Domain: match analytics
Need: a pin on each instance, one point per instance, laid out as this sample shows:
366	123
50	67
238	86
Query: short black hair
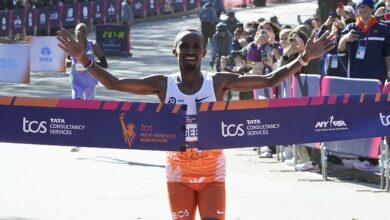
178	38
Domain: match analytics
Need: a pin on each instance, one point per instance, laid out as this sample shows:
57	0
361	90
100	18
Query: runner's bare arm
144	86
314	49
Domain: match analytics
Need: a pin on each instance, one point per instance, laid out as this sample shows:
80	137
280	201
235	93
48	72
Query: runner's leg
182	200
212	201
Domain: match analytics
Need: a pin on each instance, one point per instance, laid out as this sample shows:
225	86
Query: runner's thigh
212	200
182	200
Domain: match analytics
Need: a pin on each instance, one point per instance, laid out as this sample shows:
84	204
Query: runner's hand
317	47
70	45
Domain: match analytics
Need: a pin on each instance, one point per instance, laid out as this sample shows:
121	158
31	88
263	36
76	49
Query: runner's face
81	32
190	50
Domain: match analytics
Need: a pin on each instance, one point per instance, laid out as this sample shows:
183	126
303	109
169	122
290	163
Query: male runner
196	179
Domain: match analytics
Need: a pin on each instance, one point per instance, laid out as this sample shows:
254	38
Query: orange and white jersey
193	165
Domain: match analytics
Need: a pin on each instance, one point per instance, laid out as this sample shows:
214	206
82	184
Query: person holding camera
221	45
367	44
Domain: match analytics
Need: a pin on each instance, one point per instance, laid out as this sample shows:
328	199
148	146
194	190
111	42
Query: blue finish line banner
92	123
238	124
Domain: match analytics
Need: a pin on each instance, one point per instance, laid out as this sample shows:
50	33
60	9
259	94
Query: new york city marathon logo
331	125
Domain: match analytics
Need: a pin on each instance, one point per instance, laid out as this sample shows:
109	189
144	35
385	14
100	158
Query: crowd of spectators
259	47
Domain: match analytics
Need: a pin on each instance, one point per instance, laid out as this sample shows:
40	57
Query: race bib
80	67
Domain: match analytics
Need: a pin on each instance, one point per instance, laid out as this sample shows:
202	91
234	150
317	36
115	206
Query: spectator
221	45
219	7
208	20
231	22
367	44
127	16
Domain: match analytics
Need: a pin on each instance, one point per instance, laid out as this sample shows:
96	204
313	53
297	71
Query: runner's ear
204	52
174	52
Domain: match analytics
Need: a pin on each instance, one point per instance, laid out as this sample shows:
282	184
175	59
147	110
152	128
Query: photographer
367	44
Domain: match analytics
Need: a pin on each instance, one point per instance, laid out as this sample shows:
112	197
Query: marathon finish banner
249	123
4	23
113	39
92	123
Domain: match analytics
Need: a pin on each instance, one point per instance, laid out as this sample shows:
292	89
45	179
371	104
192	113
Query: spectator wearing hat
367	44
231	22
221	44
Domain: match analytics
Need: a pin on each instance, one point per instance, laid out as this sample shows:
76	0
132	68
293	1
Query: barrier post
295	150
383	163
277	152
324	162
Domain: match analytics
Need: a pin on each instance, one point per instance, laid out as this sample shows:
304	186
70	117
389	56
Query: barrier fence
22	21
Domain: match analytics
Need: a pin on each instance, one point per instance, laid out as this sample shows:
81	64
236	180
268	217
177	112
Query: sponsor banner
18	21
112	10
31	20
238	124
4	23
97	11
42	16
69	15
152	7
178	5
54	16
191	4
113	39
46	55
14	63
83	13
92	123
139	8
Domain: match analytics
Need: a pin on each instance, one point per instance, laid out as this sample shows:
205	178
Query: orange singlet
196	178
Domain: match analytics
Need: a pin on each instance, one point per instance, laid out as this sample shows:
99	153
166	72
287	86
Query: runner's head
81	31
189	48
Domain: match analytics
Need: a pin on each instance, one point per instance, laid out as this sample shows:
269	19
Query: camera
387	12
240	26
275	46
332	14
359	34
264	55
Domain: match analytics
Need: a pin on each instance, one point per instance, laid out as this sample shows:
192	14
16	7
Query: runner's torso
193	165
79	72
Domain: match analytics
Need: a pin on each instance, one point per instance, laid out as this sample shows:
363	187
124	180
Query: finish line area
46	179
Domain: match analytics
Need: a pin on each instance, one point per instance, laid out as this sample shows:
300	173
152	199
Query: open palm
317	47
70	45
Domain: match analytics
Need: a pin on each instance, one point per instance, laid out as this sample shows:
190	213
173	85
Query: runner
196	179
84	84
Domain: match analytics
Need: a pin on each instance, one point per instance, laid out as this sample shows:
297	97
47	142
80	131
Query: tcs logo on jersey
232	130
